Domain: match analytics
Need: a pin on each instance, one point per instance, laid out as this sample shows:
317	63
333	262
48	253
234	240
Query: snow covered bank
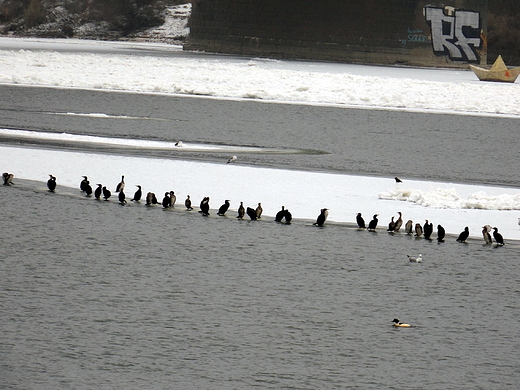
268	80
303	193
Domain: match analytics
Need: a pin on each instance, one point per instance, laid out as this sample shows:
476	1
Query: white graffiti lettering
457	36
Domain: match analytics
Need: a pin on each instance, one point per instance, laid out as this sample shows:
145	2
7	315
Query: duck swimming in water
398	324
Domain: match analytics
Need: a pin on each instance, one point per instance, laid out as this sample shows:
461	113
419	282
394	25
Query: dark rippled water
95	295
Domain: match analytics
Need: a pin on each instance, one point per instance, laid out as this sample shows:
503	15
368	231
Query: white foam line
95	115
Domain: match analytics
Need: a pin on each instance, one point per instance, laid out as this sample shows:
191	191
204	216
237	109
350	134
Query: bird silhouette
51	183
463	236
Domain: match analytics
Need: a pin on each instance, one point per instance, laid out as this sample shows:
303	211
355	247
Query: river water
455	148
95	295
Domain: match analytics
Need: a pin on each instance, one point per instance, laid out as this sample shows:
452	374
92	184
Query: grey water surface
97	295
441	147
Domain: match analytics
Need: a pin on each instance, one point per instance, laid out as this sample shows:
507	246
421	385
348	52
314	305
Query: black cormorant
106	193
463	236
360	221
51	183
498	237
441	233
373	223
98	191
251	212
222	209
122	197
187	203
241	211
322	217
138	194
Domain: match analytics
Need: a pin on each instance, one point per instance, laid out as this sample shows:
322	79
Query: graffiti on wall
456	35
414	35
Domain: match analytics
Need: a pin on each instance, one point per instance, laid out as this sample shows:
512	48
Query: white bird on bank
415	259
232	159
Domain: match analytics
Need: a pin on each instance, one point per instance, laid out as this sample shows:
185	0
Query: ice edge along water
296	82
303	193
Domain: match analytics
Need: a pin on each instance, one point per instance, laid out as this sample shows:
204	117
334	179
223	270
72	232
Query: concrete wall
411	32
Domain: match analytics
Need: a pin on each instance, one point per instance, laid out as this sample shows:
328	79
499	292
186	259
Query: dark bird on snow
121	185
122	197
222	209
280	215
360	221
259	210
373	223
408	228
428	230
84	184
51	183
441	233
241	211
391	225
151	199
8	178
322	217
463	236
498	237
397	180
204	206
251	212
138	194
418	230
88	190
98	191
187	203
399	222
106	193
288	217
166	200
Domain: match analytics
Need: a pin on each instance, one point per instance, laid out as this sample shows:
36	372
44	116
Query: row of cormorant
282	216
426	230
